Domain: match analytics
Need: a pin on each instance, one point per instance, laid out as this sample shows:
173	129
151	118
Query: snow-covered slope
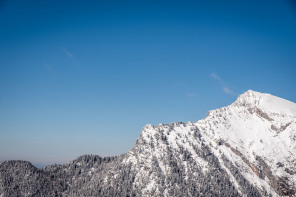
255	135
261	130
245	149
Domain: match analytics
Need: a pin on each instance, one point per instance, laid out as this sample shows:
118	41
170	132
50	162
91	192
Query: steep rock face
260	129
251	142
175	160
245	149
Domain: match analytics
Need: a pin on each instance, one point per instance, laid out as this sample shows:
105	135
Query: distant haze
85	77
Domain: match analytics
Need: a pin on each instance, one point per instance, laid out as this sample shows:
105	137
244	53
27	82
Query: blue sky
84	77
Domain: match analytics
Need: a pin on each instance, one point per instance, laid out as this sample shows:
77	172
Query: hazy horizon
85	77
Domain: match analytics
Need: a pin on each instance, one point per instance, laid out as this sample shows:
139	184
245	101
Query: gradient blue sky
84	77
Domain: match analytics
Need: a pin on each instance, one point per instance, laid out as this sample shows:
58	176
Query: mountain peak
250	97
266	102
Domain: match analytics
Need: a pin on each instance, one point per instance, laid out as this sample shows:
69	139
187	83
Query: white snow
268	102
256	124
251	133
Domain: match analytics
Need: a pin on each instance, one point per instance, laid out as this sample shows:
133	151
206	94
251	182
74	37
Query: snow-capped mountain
255	135
245	149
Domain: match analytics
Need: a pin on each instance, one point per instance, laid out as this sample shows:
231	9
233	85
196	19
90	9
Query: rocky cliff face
245	149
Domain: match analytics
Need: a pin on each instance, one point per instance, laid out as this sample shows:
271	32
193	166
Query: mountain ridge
243	149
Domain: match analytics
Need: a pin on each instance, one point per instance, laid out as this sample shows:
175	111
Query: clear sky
84	77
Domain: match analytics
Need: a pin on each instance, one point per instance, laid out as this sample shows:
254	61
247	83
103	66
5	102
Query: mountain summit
267	102
245	149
